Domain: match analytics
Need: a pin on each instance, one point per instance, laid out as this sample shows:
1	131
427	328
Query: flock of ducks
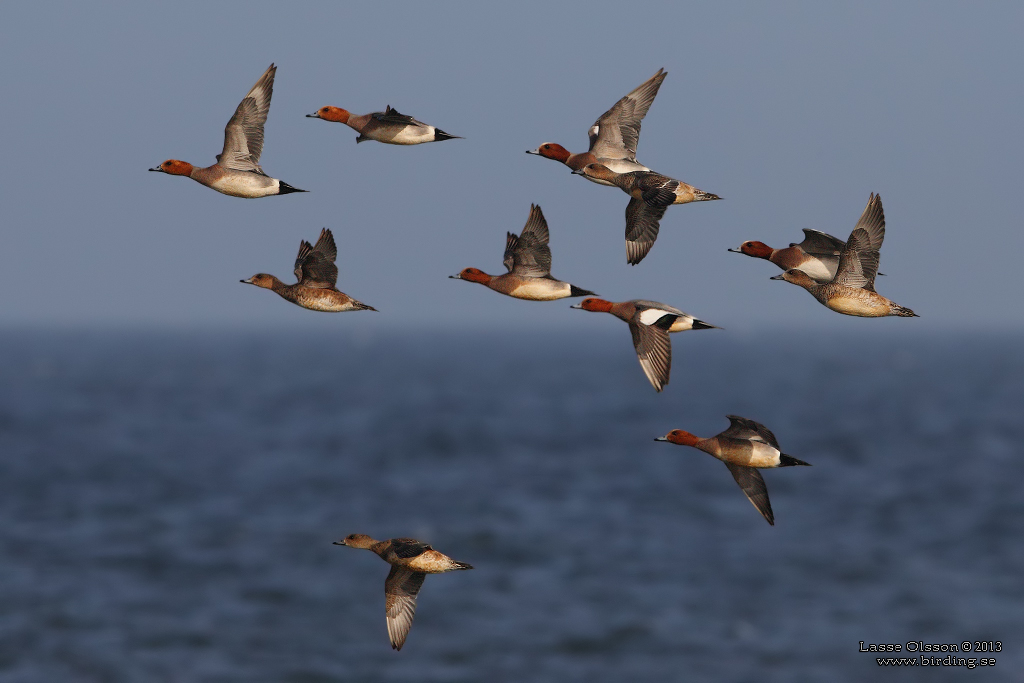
839	274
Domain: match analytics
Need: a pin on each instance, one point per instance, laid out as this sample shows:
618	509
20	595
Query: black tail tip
463	565
701	325
285	188
790	461
576	291
441	135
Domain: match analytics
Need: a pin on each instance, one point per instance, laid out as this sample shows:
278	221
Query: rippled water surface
169	502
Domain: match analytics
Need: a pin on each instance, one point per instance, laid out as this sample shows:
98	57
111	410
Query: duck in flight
528	260
651	194
614	136
316	279
650	323
852	290
386	126
410	561
744	447
237	171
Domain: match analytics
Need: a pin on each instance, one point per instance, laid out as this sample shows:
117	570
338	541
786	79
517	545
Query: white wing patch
653	315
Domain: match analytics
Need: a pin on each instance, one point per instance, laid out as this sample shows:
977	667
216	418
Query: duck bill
780	276
341	542
734	251
314	115
534	151
457	276
661	438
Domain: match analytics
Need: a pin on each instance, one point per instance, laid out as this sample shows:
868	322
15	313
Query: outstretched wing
528	254
872	221
654	349
616	133
858	264
400	590
742	428
642	223
817	243
243	136
314	266
752	483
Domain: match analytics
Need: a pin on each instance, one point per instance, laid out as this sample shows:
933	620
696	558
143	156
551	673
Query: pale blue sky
793	113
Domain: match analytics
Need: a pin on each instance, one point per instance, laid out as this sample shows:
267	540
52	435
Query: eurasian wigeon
528	260
652	193
614	136
743	447
386	126
650	323
237	171
410	561
852	290
317	276
817	255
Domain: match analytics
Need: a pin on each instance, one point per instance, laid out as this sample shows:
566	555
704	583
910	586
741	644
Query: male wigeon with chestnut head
410	561
817	255
852	290
614	136
528	260
651	194
237	171
386	126
650	323
316	277
744	447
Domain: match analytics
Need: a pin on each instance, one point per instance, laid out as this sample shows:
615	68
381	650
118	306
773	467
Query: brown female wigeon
852	290
614	136
317	276
651	194
410	561
528	260
237	171
386	126
743	447
650	323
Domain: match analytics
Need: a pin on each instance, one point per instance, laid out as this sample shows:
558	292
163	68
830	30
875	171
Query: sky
792	112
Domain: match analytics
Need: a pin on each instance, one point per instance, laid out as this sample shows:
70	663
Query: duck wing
817	243
243	136
642	223
528	254
748	430
615	134
858	264
400	591
314	265
390	115
654	349
752	483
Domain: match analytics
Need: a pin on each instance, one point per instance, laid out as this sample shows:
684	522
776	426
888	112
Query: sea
169	499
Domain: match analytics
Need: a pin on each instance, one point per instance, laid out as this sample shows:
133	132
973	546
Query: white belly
764	455
541	289
248	185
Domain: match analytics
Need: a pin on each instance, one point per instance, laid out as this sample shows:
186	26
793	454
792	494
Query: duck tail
903	311
285	188
360	306
790	461
577	291
702	196
441	135
701	325
461	565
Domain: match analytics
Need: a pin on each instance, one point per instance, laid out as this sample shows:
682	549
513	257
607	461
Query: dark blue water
169	502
